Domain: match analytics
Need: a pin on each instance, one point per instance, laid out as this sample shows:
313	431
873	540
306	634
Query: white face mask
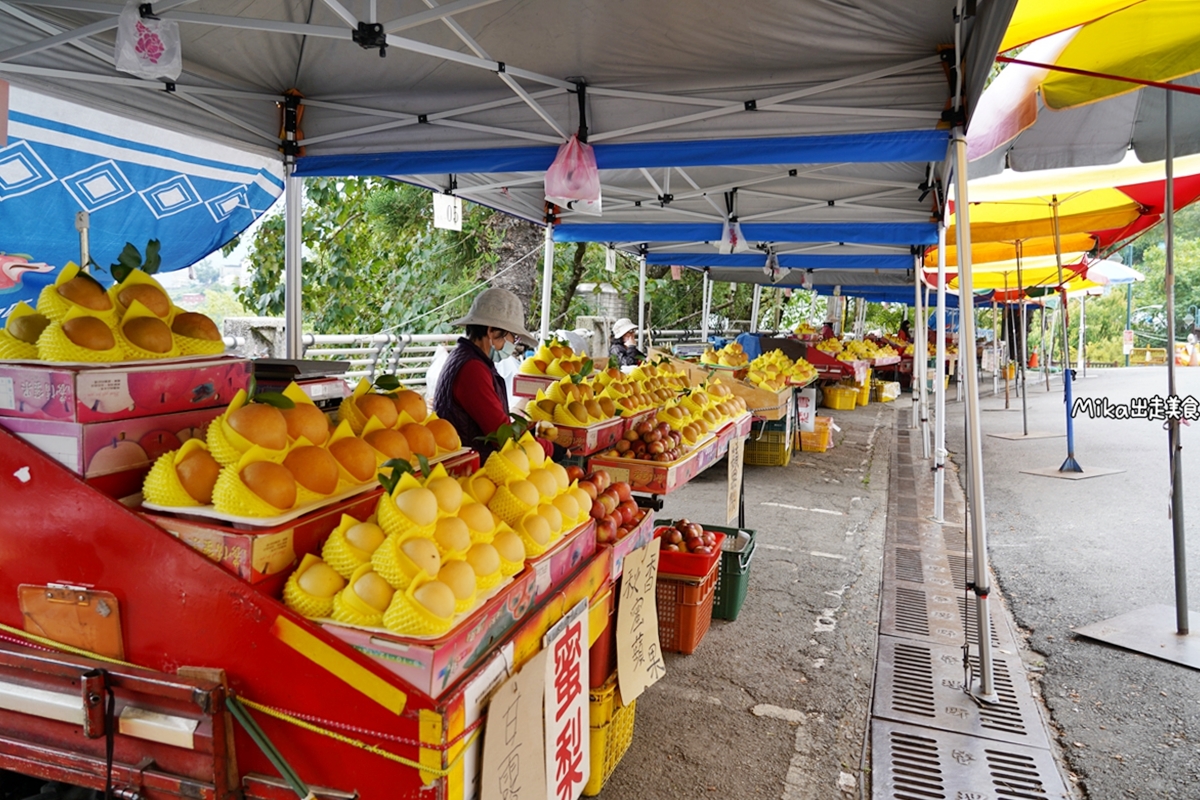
507	349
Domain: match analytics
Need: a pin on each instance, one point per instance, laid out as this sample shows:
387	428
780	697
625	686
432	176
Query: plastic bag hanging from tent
148	47
732	240
573	181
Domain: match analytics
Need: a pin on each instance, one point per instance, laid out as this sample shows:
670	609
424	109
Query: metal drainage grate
911	763
906	532
953	534
922	684
908	565
966	613
962	569
910	612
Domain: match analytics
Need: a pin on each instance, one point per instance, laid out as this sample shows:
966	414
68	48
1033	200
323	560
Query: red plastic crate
685	610
689	564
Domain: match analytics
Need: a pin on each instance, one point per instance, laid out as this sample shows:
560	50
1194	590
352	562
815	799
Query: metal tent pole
705	286
293	261
915	417
1082	355
1006	329
939	387
1173	440
1023	355
754	308
995	351
1070	465
641	337
985	691
923	343
547	281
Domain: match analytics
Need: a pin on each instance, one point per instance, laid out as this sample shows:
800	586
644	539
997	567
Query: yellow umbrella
1152	41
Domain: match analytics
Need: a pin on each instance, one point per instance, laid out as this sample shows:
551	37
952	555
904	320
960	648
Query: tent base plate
1054	472
1150	631
1017	437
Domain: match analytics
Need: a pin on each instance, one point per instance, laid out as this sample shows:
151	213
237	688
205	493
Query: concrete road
1071	553
775	704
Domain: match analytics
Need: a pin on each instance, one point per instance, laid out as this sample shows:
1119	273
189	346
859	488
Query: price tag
514	762
447	212
1127	342
568	730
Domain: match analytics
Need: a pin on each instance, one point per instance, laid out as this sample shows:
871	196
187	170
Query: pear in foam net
79	336
365	598
447	490
310	590
315	470
485	560
140	287
22	327
510	549
357	409
351	544
245	425
509	463
409	507
357	460
74	289
460	577
402	558
304	419
183	477
425	608
144	336
256	486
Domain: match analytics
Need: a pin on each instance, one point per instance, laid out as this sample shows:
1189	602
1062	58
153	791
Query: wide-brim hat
501	309
623	326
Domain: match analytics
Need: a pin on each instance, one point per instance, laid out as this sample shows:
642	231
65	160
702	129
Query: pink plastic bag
148	47
573	181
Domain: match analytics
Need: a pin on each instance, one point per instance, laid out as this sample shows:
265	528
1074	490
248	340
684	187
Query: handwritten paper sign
639	657
513	759
736	458
568	729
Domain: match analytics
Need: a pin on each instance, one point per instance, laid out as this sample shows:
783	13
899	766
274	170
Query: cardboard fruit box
637	537
255	555
528	385
112	456
650	476
100	393
585	441
433	665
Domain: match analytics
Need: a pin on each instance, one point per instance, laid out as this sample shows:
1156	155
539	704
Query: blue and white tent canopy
136	182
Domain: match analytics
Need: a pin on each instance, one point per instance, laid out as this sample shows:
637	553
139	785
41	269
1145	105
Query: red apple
606	529
598	510
590	488
622	445
623	490
629	510
631	435
574	474
601	478
644	427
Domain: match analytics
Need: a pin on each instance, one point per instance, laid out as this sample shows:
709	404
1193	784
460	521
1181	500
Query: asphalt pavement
1072	553
776	704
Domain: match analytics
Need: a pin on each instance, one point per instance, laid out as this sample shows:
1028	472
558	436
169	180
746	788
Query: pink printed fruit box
103	393
650	476
256	554
528	385
113	456
583	441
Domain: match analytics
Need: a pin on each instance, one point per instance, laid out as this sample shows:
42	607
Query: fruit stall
267	589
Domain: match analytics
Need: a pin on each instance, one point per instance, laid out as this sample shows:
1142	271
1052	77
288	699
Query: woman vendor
470	392
624	344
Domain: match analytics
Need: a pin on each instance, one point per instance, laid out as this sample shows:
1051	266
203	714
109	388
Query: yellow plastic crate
840	398
611	732
884	391
768	449
819	439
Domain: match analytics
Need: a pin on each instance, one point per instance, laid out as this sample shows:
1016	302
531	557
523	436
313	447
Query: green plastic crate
734	578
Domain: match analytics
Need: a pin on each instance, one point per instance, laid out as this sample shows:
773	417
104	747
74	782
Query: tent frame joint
369	36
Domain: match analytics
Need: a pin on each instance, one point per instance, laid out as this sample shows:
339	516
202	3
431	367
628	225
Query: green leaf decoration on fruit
387	383
398	466
131	259
276	399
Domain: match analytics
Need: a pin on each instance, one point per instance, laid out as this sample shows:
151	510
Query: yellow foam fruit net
509	568
232	496
351	609
391	520
300	601
131	350
56	307
339	553
191	346
469	487
349	411
10	346
485	583
53	344
507	506
465	604
227	445
134	278
162	486
485	536
500	469
390	561
532	548
407	617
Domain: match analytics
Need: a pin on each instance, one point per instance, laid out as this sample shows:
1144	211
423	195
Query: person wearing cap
470	393
624	343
